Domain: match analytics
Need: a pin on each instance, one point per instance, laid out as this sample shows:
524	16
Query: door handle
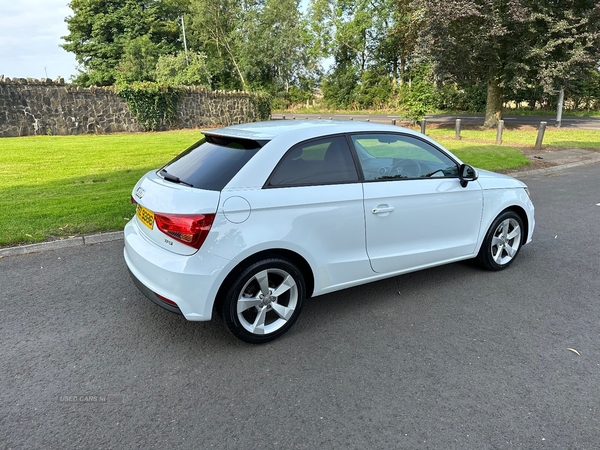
382	209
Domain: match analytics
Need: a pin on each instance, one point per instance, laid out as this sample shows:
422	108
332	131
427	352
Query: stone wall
39	107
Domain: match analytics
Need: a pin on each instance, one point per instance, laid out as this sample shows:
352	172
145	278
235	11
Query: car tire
264	300
502	242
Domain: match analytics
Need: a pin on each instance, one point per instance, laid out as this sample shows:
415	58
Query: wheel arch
293	257
523	216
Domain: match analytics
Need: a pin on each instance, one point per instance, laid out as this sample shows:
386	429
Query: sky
30	38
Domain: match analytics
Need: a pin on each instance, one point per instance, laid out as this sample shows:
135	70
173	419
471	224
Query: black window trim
355	158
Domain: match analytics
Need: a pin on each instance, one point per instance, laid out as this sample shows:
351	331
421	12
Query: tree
507	44
401	38
253	44
217	29
276	55
564	42
138	62
100	31
371	42
182	70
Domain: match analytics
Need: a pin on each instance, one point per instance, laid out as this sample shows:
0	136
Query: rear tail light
188	229
133	201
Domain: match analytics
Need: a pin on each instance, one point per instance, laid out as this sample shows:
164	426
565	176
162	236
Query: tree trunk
402	68
493	105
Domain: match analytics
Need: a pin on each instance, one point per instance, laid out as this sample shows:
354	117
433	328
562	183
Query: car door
313	201
416	211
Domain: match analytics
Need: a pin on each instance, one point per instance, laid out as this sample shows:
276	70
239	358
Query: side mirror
466	173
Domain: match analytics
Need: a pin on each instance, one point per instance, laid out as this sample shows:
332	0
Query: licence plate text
145	215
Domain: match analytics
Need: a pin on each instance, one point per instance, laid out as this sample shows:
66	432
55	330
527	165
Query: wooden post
499	133
423	125
393	121
283	117
540	136
458	121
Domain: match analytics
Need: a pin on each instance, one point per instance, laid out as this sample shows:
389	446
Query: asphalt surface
451	357
450	119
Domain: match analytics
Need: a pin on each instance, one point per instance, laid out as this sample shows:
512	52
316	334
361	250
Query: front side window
317	162
394	156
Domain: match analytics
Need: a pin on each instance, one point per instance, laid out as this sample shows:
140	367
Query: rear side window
211	162
317	162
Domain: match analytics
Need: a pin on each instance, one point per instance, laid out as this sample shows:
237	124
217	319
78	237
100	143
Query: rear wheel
264	301
502	241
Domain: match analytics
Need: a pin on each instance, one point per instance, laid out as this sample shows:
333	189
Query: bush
418	99
152	104
175	70
261	106
470	98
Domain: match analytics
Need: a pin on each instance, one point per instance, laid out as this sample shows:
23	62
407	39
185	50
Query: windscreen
211	162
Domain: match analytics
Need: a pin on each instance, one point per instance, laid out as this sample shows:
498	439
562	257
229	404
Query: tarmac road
452	357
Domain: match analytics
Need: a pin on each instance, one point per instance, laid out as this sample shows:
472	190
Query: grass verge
60	186
525	136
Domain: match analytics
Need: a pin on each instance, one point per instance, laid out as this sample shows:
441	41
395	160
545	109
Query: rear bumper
192	282
152	296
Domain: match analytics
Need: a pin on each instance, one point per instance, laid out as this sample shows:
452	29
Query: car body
257	217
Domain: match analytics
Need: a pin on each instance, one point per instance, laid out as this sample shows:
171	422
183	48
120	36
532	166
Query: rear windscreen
211	162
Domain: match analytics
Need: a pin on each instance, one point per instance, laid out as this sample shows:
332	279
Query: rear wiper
167	176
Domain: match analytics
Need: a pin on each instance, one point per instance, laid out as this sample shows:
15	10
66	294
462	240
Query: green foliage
179	70
153	104
138	62
375	90
418	99
254	46
261	107
519	45
563	40
469	98
101	34
585	92
340	88
529	49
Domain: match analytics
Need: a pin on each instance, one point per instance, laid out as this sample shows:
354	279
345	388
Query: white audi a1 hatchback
253	219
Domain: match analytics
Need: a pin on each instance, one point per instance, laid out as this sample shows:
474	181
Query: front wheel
264	301
502	241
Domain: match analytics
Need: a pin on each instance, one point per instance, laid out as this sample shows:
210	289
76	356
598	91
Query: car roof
274	128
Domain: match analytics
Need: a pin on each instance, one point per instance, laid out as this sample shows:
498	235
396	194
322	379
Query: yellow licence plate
145	215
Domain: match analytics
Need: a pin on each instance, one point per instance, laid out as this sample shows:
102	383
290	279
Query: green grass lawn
486	156
59	186
554	137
